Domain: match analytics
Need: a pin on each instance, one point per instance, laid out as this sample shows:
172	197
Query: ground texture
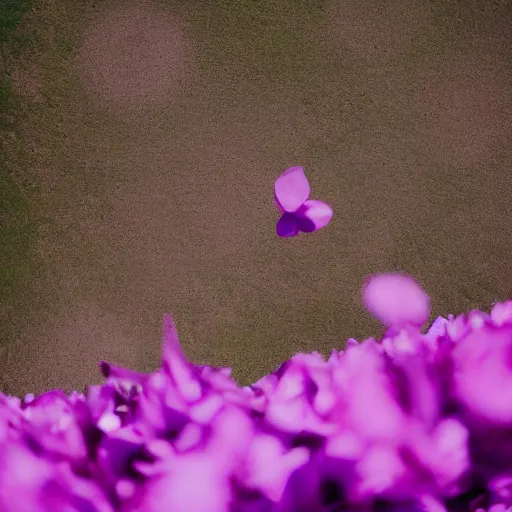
147	140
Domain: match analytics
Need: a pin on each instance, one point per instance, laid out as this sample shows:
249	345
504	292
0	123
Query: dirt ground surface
149	138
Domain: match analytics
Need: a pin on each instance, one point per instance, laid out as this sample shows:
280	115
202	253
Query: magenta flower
409	423
300	214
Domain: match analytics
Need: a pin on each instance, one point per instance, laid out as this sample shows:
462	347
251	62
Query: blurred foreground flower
413	422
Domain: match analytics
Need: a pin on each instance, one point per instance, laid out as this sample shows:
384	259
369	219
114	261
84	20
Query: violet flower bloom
410	423
300	214
194	483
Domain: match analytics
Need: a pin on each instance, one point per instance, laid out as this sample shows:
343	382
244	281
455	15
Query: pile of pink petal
411	422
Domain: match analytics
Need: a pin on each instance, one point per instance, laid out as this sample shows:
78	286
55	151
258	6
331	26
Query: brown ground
154	136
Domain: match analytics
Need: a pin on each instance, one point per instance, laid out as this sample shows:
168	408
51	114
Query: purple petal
396	300
197	484
314	215
22	475
175	362
111	371
116	451
287	225
501	313
270	465
53	422
291	189
483	373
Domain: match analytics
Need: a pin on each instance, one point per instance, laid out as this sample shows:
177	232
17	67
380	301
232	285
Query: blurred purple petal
195	485
22	477
396	300
182	373
501	313
270	465
483	374
409	422
111	371
53	424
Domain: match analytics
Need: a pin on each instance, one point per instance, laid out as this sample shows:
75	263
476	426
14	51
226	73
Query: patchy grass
11	13
268	86
18	260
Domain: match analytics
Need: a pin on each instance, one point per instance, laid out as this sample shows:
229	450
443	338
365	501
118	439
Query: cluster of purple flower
413	422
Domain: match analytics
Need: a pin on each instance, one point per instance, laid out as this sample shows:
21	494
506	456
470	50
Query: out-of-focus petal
270	465
111	371
22	476
501	313
483	374
370	395
193	485
53	424
396	300
180	370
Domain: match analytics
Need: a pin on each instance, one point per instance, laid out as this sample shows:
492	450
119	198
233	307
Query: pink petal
270	465
396	300
483	376
196	485
501	313
314	215
175	361
291	189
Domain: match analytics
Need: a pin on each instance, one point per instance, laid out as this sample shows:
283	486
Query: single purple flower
299	212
